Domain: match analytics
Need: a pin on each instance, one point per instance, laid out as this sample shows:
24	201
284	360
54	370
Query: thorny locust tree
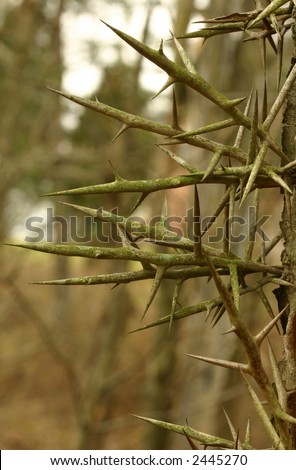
243	168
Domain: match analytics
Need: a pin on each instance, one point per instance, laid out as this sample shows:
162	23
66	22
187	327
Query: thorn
256	168
268	28
123	236
123	128
263	333
175	122
57	91
209	278
247	440
174	301
155	286
253	137
282	282
190	441
116	174
160	49
233	329
265	419
267	305
273	175
170	81
208	128
235	435
237	444
184	57
85	210
264	103
236	102
164	211
190	168
209	309
218	315
196	226
222	363
279	385
213	163
139	202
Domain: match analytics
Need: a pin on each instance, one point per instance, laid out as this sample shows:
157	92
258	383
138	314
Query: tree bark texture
288	225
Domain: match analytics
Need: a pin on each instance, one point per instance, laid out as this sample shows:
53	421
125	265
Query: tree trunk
287	296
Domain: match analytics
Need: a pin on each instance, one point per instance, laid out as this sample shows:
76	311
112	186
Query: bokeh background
71	375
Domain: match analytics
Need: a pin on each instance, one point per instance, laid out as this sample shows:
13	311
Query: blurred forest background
70	374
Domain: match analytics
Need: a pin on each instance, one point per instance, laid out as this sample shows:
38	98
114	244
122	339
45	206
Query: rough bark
288	226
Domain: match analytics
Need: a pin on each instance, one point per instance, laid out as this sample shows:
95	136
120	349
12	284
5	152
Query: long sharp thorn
179	160
275	177
237	444
235	435
123	128
256	167
209	309
266	248
269	36
280	388
222	363
196	226
231	330
118	278
252	226
213	163
155	286
61	249
247	440
282	282
190	441
164	212
227	224
201	437
232	198
185	59
241	129
115	172
264	102
218	315
253	135
267	305
265	419
123	237
237	101
85	210
138	202
208	128
175	120
174	301
263	333
170	81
